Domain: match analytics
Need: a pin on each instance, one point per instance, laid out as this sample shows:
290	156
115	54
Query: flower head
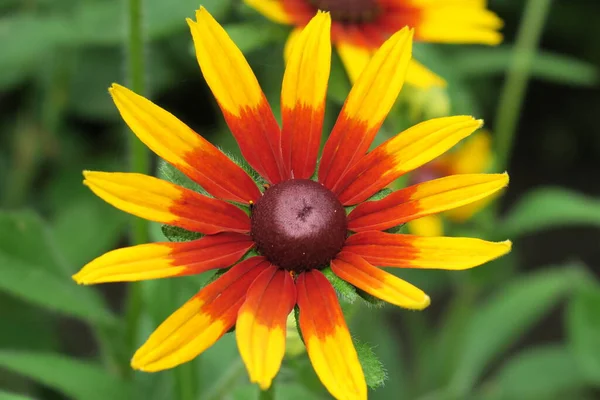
296	226
361	26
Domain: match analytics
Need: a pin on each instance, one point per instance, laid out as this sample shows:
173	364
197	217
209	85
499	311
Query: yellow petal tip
426	302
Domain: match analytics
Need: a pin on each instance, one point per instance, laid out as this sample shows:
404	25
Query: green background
526	326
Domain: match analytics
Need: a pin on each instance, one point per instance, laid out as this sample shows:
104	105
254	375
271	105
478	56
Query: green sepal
177	234
169	173
297	318
375	373
396	229
240	162
369	299
377	196
344	290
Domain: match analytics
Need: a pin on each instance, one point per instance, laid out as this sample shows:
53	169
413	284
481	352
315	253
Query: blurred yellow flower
474	157
360	27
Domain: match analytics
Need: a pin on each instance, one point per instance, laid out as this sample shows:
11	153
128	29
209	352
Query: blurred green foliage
59	340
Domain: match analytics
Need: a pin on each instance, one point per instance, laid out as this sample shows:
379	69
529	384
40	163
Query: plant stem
268	394
226	382
517	77
139	156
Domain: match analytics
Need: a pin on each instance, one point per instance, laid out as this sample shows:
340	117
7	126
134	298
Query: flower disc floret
299	225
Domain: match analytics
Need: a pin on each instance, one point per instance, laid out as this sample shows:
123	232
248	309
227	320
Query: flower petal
420	76
303	97
160	201
431	225
460	22
402	153
239	95
327	339
354	57
272	9
408	251
261	324
383	285
161	260
290	42
200	322
424	199
366	107
189	152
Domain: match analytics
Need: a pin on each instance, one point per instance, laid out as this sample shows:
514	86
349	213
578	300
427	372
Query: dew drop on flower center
298	225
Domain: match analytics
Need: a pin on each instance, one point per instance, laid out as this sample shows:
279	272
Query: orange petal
189	152
424	199
161	260
239	95
303	97
366	107
402	153
327	339
261	324
409	251
200	322
385	286
160	201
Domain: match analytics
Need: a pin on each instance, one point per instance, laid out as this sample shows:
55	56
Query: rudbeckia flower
361	26
295	225
473	157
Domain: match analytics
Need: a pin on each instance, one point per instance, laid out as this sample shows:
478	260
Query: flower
473	157
361	26
297	225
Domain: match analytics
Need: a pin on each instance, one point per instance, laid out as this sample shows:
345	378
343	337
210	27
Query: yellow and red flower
361	26
296	226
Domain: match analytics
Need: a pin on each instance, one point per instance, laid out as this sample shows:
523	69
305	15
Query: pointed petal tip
79	279
426	302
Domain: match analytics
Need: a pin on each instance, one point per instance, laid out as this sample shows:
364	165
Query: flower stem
139	156
268	394
517	77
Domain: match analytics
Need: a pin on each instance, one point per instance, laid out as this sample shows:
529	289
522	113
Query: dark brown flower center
349	11
299	225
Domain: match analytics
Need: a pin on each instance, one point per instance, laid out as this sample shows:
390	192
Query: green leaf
25	40
503	319
86	229
343	288
25	236
549	207
24	327
545	372
552	67
74	378
33	270
33	284
583	326
13	396
375	373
